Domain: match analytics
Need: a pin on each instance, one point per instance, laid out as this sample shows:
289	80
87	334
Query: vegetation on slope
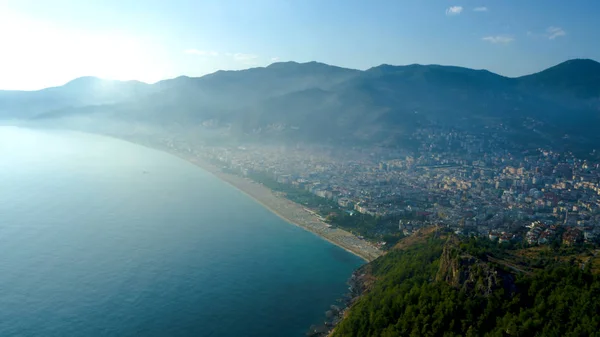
434	287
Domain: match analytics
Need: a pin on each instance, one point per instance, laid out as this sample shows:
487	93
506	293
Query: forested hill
438	285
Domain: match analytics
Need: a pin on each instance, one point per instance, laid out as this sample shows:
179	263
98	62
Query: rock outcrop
471	274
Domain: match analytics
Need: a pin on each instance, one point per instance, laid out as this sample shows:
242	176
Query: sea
101	237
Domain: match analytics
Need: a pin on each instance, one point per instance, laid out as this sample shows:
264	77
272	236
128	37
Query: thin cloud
498	39
554	32
244	57
480	9
454	10
274	59
202	52
247	59
535	35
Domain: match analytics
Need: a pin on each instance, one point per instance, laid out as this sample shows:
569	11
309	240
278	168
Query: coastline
333	235
282	207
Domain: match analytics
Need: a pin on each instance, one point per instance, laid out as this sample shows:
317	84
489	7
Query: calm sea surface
100	237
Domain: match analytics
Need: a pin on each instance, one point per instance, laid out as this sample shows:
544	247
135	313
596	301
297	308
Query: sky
48	43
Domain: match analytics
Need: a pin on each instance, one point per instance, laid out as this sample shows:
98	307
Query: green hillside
436	286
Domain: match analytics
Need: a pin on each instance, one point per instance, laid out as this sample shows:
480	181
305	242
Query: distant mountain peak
578	77
294	63
282	64
306	65
588	62
88	81
84	80
583	66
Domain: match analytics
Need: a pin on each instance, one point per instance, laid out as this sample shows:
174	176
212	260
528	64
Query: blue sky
48	43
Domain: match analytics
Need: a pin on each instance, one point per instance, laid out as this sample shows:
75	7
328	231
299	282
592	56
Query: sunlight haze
48	44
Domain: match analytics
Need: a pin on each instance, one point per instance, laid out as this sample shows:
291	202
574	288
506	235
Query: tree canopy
560	299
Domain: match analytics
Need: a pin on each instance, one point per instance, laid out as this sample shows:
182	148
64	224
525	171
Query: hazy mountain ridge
79	92
579	78
315	101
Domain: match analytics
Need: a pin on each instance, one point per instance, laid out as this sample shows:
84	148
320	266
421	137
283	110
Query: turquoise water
100	237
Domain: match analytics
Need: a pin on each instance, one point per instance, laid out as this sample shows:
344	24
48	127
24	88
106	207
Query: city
459	181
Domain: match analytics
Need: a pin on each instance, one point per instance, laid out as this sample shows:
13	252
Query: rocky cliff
469	273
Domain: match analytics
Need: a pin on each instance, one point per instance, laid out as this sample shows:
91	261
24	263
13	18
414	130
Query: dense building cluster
474	184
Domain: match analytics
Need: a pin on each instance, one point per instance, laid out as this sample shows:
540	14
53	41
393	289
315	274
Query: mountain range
319	102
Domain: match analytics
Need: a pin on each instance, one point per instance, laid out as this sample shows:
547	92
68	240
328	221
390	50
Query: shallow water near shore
101	237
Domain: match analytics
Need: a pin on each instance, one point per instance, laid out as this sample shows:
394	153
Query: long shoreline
282	207
227	178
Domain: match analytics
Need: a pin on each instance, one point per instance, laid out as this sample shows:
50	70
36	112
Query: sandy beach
293	213
286	209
